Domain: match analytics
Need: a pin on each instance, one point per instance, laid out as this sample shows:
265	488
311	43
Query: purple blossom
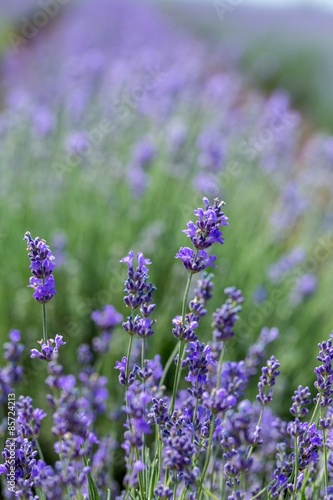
211	150
218	401
267	381
184	332
49	351
138	295
28	418
44	289
144	153
11	373
122	367
199	359
205	232
301	399
107	318
42	266
324	374
225	317
256	353
195	262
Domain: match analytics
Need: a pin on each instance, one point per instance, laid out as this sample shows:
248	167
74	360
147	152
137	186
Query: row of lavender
204	439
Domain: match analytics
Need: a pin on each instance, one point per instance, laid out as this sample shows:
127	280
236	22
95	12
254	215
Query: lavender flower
206	231
42	266
225	317
138	295
195	262
107	318
49	350
301	399
324	373
28	418
11	373
267	381
199	358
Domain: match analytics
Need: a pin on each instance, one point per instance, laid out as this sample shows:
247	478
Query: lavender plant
203	439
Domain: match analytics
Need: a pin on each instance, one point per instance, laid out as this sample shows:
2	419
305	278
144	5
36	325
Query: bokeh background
117	117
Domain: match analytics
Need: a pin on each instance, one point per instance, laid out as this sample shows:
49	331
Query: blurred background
117	117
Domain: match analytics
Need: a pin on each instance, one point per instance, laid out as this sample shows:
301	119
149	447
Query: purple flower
49	351
199	359
144	153
301	399
205	232
139	293
256	353
194	263
42	266
44	289
267	381
225	317
11	373
219	400
107	318
324	373
28	418
184	332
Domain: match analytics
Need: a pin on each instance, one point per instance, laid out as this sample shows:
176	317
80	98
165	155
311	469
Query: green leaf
92	488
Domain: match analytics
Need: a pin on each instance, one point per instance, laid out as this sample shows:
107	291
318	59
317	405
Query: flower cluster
139	293
41	266
203	234
205	441
11	373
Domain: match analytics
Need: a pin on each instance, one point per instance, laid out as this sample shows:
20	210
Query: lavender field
139	362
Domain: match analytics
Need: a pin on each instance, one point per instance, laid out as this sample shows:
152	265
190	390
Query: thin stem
143	451
44	323
181	347
258	425
295	467
208	455
39	449
168	364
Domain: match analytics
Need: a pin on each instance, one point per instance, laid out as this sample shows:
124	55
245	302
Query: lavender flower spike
205	232
41	266
267	381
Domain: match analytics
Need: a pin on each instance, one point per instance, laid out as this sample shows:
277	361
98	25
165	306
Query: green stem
181	347
258	425
325	454
208	454
40	452
143	451
129	349
168	364
44	323
295	467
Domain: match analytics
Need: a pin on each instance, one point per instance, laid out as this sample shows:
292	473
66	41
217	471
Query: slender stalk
295	467
129	350
168	364
258	425
181	346
143	451
208	455
44	323
40	452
